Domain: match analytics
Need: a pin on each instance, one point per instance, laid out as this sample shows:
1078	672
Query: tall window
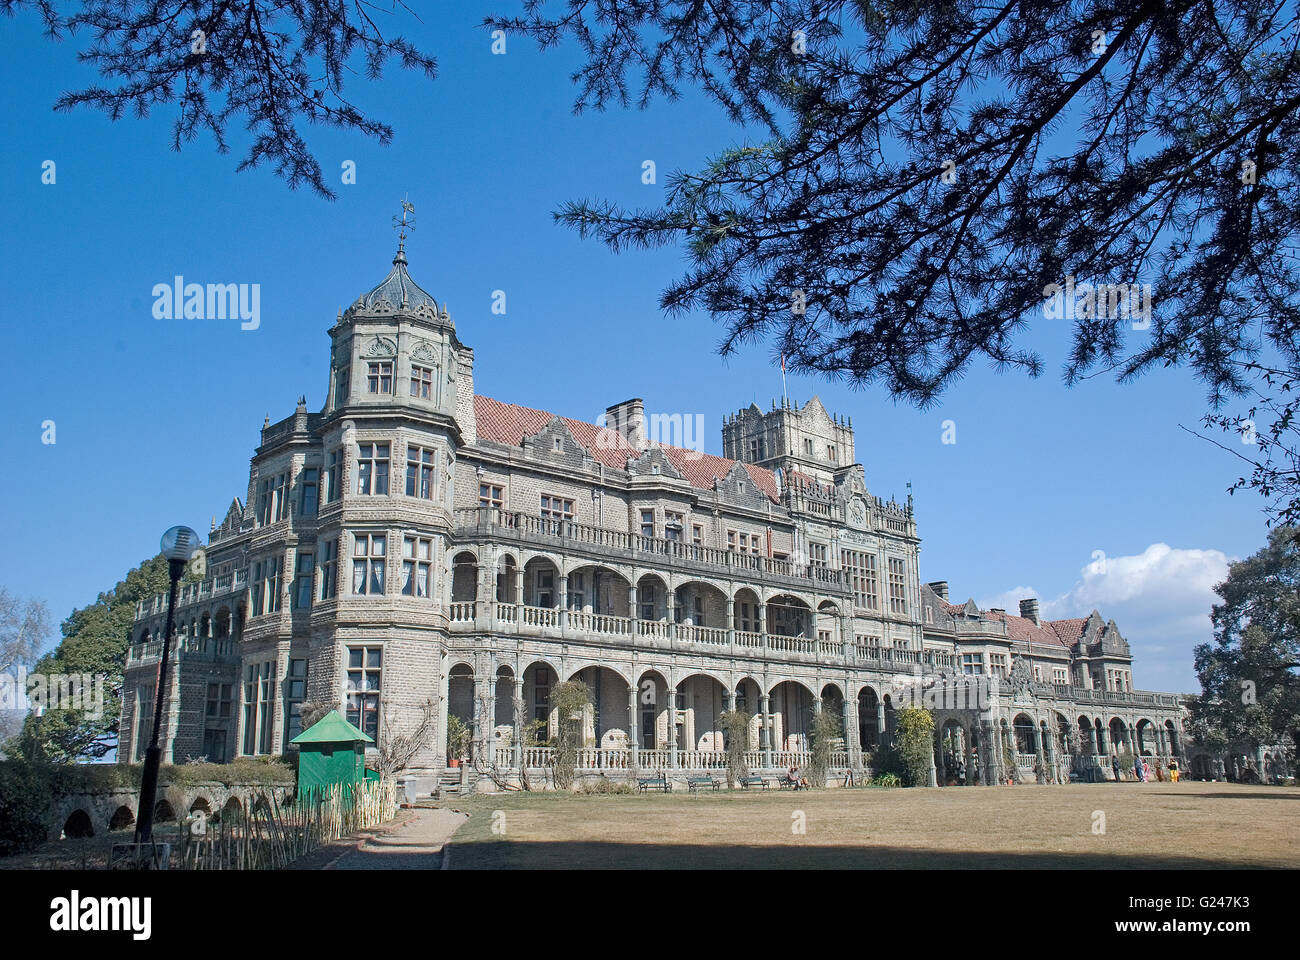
697	534
259	698
309	492
647	523
421	382
364	683
143	718
280	496
674	524
490	496
264	586
341	383
372	468
417	567
295	691
817	555
368	556
379	377
263	503
861	569
333	475
419	472
897	588
302	581
329	565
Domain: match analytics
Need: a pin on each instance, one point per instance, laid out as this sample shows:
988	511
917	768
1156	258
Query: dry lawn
1150	826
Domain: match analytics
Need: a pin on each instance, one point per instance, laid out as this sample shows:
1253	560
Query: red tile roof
510	423
1024	630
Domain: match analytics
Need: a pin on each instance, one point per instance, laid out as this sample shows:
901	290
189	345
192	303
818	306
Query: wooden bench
747	782
644	784
693	784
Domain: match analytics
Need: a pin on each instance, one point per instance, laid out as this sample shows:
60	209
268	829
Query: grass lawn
1154	825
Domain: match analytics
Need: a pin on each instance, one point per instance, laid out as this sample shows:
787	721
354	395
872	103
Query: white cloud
1160	599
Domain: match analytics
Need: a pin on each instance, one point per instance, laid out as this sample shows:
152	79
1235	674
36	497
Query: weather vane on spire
402	224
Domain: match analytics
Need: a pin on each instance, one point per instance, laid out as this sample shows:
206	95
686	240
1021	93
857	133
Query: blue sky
156	419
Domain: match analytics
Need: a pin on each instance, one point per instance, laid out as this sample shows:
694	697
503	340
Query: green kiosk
330	751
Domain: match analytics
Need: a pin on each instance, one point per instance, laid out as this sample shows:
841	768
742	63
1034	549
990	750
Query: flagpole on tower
785	400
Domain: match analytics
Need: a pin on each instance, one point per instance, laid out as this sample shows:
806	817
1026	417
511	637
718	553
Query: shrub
735	725
887	780
915	744
569	699
603	786
25	796
826	732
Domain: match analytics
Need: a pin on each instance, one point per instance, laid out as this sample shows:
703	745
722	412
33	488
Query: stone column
731	620
880	722
1040	754
519	595
564	602
672	726
518	715
632	611
970	759
852	736
765	730
634	727
936	759
670	608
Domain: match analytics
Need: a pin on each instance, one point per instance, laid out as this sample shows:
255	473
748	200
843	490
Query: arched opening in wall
205	625
746	615
700	703
221	627
953	749
1171	738
596	592
651	603
868	718
201	805
654	712
123	819
1146	741
539	680
828	626
606	721
833	706
503	724
464	577
541	584
748	699
77	826
788	616
1119	735
460	697
1025	736
507	580
231	811
792	710
1104	744
1085	737
1065	738
163	812
701	609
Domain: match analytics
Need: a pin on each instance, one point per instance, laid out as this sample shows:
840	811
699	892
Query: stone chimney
940	588
628	418
1029	610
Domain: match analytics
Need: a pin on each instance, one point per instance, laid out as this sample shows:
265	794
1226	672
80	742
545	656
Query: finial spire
402	224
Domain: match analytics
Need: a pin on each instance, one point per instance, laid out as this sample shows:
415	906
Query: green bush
915	744
25	797
887	780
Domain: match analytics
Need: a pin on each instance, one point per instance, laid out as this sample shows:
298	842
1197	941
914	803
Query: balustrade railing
461	611
517	524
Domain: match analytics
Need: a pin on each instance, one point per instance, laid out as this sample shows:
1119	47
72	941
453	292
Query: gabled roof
510	424
332	728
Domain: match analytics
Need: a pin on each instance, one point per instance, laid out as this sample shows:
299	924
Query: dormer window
559	444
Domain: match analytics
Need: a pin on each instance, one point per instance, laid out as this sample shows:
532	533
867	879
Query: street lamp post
179	544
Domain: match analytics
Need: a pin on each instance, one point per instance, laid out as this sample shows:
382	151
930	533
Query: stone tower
805	440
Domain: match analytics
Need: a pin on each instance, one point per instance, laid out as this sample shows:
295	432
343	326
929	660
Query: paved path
414	844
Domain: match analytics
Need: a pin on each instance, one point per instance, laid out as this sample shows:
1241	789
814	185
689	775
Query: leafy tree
1250	673
569	699
266	65
458	737
735	726
95	640
915	175
915	744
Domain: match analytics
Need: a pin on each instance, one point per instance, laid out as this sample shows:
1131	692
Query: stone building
415	541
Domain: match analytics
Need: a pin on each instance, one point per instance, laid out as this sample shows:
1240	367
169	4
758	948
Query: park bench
694	784
747	782
644	784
